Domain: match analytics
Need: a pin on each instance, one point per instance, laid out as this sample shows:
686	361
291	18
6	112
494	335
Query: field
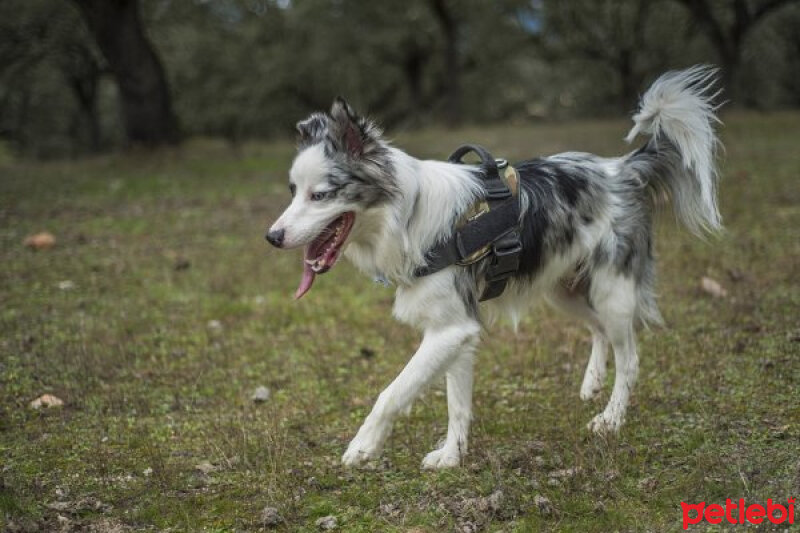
161	309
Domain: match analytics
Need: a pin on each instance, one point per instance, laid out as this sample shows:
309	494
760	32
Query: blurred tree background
83	76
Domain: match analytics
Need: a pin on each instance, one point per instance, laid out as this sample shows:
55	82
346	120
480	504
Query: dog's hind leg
459	412
576	305
614	297
595	373
440	347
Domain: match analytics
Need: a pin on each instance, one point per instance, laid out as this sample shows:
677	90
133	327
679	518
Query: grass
179	310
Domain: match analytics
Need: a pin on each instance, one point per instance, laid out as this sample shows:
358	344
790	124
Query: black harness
491	230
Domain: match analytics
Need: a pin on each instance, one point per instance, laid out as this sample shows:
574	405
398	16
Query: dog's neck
390	241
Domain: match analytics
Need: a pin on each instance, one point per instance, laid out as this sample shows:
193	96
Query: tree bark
452	82
144	94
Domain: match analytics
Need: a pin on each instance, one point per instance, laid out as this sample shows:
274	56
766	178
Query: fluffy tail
678	114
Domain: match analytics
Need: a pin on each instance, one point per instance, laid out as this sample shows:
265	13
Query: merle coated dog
586	229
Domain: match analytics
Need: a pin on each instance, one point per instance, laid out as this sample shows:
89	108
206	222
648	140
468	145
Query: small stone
496	500
270	517
261	394
46	400
712	287
389	509
205	467
565	473
648	484
326	523
66	285
543	505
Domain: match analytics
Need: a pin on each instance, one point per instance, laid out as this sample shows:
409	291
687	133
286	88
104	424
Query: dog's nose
275	237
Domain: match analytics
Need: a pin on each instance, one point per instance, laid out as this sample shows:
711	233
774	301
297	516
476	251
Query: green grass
151	389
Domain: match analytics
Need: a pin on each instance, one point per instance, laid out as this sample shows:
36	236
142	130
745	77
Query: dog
585	228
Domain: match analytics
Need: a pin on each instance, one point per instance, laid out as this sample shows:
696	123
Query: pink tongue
305	282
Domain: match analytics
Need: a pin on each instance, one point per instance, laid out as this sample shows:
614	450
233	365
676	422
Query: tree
449	28
615	34
728	28
144	94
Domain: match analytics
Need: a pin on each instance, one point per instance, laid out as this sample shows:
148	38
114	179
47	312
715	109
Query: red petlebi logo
738	512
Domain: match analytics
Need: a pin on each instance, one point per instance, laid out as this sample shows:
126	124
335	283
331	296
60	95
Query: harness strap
492	232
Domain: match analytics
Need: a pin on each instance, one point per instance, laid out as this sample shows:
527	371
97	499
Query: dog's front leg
439	348
459	412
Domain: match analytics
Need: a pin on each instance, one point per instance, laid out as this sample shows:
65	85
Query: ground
160	310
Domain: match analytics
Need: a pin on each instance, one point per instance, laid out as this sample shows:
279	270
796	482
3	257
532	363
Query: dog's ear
312	130
353	135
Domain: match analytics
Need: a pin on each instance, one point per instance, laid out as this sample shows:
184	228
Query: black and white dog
586	235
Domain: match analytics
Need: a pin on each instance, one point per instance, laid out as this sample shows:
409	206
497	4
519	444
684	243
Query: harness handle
487	160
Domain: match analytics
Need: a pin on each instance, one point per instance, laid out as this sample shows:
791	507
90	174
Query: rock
565	473
712	287
648	484
46	400
270	517
326	523
543	505
40	241
261	394
496	500
389	509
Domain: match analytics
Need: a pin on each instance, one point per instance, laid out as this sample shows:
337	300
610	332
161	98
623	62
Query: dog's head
342	169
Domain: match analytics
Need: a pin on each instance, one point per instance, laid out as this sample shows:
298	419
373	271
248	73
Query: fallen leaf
712	287
40	241
46	400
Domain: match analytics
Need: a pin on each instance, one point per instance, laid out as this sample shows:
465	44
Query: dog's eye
292	189
317	196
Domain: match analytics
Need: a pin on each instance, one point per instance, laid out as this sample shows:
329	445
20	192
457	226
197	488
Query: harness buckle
505	257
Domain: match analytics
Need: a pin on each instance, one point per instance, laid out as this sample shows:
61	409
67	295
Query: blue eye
317	196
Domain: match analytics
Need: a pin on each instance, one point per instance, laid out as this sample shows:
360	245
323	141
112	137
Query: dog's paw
590	390
441	458
360	451
356	457
605	424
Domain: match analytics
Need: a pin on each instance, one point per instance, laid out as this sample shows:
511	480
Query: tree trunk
144	94
452	82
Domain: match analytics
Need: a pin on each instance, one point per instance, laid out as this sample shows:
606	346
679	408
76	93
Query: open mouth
323	252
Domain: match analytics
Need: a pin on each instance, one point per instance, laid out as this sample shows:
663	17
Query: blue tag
380	278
